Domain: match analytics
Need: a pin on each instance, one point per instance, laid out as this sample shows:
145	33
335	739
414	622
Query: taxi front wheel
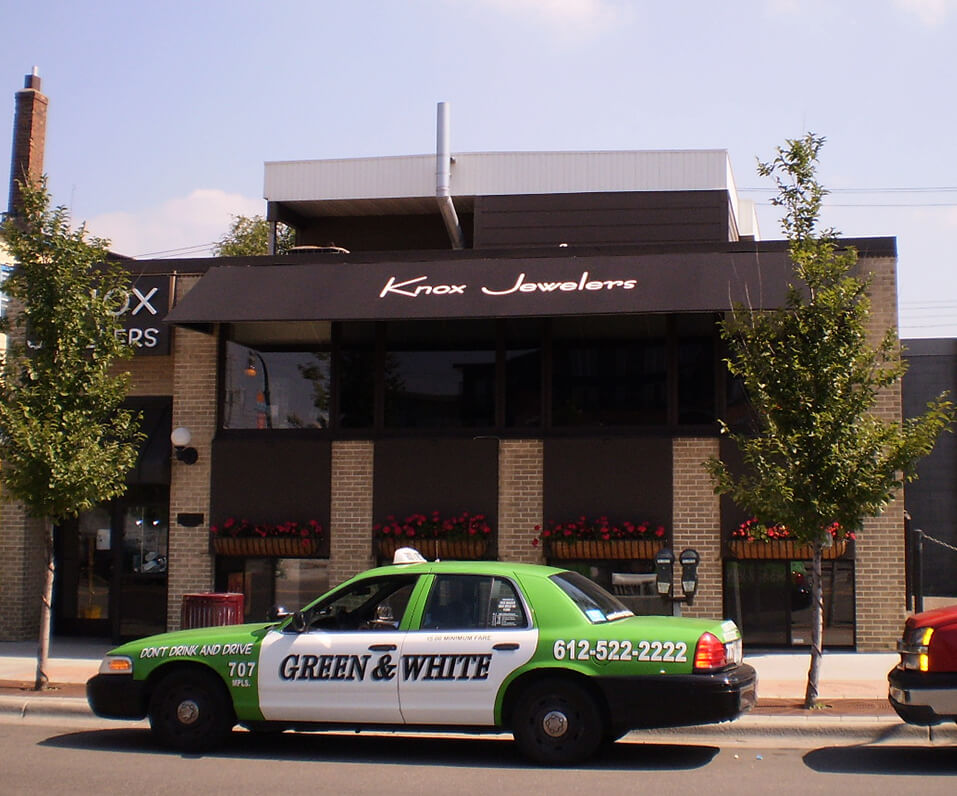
190	711
557	722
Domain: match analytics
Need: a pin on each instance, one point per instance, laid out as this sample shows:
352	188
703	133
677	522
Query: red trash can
211	609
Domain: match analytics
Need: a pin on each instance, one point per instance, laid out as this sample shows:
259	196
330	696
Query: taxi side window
373	604
472	602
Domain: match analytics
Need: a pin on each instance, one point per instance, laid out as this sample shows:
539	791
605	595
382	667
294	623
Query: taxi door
475	630
342	666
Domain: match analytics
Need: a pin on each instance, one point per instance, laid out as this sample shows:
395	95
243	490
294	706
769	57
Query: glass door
141	601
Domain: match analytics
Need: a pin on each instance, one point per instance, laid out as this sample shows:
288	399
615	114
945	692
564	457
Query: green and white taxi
541	652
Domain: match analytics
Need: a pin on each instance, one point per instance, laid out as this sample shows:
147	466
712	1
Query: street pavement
853	692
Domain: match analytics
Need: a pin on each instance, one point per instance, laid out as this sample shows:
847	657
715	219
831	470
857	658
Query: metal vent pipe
443	176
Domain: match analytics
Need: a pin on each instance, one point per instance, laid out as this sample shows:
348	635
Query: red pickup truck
923	686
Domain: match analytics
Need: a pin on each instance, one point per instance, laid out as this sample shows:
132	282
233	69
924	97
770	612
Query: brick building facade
549	350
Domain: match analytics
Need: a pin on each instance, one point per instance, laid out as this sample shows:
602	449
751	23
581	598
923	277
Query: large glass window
523	373
440	374
276	389
357	372
518	373
771	601
609	371
696	368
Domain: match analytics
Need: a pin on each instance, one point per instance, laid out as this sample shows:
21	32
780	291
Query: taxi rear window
592	600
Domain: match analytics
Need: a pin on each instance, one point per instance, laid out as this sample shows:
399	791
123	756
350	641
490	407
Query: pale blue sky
162	114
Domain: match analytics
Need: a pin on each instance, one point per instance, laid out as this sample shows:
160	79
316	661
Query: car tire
557	722
190	711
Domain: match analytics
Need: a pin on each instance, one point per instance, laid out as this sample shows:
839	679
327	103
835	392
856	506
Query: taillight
709	653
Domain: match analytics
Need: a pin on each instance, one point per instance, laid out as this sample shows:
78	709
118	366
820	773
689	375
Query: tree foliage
820	453
65	440
249	235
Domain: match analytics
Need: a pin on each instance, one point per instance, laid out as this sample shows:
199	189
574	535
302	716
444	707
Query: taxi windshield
592	600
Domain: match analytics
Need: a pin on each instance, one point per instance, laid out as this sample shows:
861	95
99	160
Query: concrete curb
849	729
24	706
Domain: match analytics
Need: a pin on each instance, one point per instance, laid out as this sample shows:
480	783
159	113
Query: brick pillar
351	511
520	502
21	558
879	578
29	137
194	407
21	570
697	522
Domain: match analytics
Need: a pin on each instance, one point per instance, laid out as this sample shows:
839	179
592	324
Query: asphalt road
93	756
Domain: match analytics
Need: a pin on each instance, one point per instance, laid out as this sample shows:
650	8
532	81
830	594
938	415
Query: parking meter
689	560
664	571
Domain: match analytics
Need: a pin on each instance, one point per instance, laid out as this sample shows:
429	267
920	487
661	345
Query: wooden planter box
448	549
781	549
278	547
613	548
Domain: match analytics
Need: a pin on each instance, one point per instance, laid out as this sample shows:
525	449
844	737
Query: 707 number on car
612	650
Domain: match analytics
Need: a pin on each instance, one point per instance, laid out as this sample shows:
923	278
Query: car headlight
116	664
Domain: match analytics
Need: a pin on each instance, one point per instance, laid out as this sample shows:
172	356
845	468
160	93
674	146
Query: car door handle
505	646
381	647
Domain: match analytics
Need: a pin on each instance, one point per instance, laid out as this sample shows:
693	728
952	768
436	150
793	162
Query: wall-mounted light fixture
181	438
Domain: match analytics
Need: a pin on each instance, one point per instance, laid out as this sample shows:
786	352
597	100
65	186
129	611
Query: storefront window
771	601
696	368
357	375
440	374
276	389
523	373
265	582
609	371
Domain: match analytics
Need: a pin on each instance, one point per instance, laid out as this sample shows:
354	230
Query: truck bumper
923	698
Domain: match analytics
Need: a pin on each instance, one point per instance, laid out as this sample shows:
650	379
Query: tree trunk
817	629
46	607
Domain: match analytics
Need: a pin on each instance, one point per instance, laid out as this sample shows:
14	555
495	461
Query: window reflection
276	389
440	375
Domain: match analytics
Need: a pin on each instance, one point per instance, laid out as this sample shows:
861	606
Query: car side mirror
277	613
297	622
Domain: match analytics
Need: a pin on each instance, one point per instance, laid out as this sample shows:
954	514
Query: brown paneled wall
623	478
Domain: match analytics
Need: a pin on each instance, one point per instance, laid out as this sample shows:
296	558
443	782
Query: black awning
477	288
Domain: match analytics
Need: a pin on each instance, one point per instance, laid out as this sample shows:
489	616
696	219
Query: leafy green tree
820	453
65	441
249	235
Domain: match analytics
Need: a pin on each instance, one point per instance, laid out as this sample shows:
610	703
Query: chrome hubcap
187	712
555	724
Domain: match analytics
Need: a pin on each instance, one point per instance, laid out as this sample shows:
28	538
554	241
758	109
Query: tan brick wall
351	510
21	569
520	501
697	522
194	406
879	567
151	375
21	560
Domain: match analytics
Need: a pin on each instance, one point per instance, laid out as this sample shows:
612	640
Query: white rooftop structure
407	184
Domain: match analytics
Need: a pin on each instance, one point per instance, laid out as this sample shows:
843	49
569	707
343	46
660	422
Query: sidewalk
853	691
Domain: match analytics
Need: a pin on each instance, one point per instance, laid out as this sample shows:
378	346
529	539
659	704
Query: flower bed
236	537
600	538
753	540
456	536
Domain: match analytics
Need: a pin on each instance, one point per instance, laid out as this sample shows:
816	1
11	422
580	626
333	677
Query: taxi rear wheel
190	711
557	722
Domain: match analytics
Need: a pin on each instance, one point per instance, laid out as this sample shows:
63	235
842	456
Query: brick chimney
29	137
